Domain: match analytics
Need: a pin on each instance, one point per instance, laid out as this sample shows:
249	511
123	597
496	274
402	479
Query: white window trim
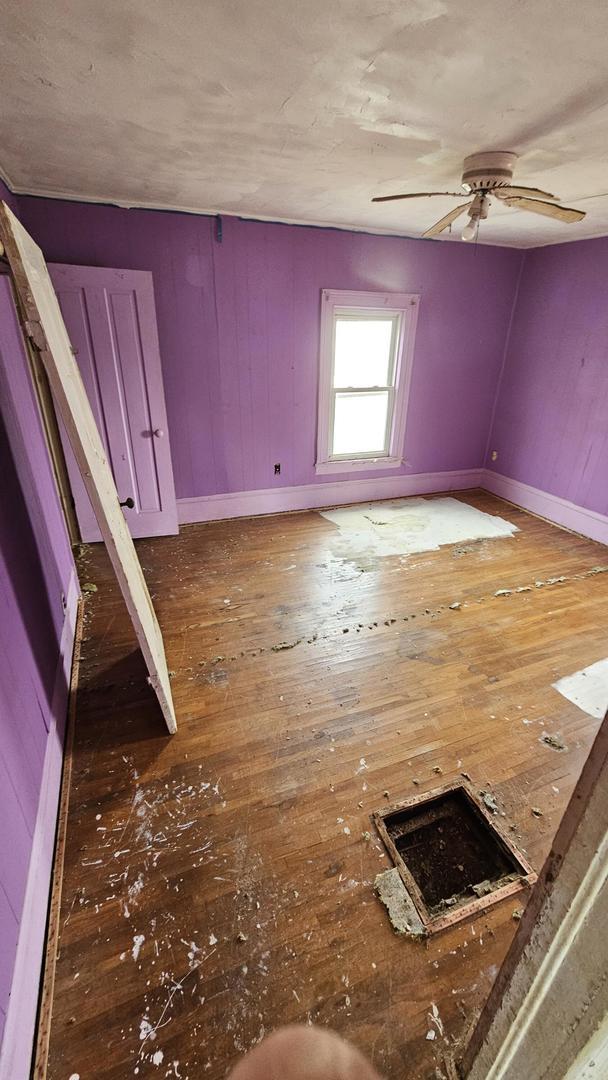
404	305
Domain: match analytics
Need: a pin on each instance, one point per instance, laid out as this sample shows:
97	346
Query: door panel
111	321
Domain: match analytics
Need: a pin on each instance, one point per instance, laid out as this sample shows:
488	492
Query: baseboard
341	492
313	496
559	511
19	1030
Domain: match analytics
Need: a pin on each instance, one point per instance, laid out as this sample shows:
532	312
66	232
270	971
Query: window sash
388	388
363	315
390	410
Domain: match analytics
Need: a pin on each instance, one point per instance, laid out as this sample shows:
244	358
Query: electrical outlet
494	455
277	468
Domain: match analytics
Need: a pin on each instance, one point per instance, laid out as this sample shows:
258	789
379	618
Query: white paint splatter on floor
588	689
146	1031
408	526
138	941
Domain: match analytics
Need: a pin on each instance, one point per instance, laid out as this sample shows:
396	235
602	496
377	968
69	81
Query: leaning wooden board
43	323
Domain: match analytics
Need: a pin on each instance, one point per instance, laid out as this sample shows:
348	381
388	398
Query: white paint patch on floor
411	526
587	688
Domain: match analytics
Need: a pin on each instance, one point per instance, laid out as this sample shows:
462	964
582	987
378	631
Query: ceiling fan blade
553	210
421	195
532	192
443	222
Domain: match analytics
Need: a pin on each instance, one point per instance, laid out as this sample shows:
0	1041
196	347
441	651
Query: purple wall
8	197
36	570
239	333
551	420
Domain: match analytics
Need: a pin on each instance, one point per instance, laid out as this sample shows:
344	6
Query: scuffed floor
220	882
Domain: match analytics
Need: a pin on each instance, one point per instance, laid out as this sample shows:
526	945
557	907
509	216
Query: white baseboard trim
313	496
341	492
19	1030
559	511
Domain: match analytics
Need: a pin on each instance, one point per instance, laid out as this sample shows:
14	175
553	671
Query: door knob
128	503
159	432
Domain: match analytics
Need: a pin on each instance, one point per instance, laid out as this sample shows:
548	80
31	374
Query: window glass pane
362	351
360	423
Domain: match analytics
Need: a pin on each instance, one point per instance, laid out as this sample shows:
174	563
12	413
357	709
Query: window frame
403	309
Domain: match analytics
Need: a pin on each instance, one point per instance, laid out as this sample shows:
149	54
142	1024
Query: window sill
357	465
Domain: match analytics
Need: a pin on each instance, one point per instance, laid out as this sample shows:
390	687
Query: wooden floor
217	883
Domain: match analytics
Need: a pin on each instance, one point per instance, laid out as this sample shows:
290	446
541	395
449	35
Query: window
366	351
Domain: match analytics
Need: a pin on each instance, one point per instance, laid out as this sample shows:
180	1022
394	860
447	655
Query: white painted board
588	689
412	526
44	324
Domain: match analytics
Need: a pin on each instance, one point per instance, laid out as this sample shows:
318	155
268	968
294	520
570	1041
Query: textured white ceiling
301	111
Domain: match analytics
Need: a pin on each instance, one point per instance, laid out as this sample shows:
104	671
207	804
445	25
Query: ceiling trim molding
139	204
7	181
171	208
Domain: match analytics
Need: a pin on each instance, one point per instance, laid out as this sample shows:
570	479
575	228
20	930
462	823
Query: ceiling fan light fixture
490	174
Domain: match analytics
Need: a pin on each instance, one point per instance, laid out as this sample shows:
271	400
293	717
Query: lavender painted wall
8	197
36	572
239	333
551	420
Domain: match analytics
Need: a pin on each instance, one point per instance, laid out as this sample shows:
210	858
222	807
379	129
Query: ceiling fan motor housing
485	171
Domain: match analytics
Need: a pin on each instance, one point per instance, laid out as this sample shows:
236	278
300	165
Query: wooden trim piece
45	1005
19	1031
53	441
331	468
50	428
45	326
282	500
577	519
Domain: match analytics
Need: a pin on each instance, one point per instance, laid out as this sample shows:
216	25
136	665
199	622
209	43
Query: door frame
550	996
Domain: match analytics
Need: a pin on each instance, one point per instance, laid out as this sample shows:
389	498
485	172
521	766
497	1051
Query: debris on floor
554	741
489	801
283	645
484	888
398	903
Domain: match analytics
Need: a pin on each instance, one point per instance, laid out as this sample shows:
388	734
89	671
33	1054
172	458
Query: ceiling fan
484	175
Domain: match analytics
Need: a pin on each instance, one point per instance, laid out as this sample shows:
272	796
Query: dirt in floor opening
451	851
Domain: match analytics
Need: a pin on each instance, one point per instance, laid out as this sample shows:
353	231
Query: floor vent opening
453	858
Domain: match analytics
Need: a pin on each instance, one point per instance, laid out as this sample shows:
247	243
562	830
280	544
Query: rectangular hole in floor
452	858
